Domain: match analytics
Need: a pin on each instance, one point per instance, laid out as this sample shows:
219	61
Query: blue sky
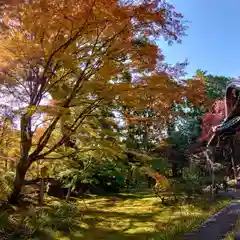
213	41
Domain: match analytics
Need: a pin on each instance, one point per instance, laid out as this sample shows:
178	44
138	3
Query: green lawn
133	216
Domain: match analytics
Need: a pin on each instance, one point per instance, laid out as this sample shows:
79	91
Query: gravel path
217	226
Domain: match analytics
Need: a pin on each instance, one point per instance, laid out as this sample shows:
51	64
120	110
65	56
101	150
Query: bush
6	183
190	183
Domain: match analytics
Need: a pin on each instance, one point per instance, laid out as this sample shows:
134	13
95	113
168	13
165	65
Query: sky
213	41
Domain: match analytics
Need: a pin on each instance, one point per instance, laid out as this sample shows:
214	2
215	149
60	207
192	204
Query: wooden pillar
42	185
232	156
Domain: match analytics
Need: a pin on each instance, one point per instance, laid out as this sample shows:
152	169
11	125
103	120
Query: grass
128	216
236	229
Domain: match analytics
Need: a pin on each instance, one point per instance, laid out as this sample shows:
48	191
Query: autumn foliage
212	118
74	55
72	69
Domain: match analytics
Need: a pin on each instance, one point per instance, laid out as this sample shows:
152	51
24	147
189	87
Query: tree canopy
86	81
64	62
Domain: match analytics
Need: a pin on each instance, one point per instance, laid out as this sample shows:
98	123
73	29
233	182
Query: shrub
190	183
6	183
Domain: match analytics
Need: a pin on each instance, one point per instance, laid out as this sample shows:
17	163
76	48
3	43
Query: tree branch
69	155
63	139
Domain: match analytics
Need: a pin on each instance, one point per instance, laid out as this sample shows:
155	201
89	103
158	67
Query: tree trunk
21	170
213	184
38	168
6	164
175	170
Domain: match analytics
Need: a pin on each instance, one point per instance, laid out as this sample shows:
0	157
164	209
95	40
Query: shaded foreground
123	217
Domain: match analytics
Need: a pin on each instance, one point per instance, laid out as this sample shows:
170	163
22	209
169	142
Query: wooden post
42	185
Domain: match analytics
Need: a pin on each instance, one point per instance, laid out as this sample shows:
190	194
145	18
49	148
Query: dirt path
217	226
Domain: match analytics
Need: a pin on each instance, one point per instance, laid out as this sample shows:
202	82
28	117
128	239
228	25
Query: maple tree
72	52
9	140
213	118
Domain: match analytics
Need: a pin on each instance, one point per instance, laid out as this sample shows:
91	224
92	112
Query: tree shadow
93	229
161	231
68	219
36	229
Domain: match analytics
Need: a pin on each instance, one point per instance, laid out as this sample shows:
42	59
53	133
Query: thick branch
75	125
26	135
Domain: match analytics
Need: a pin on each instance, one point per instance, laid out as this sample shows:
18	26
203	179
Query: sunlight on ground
140	218
125	217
